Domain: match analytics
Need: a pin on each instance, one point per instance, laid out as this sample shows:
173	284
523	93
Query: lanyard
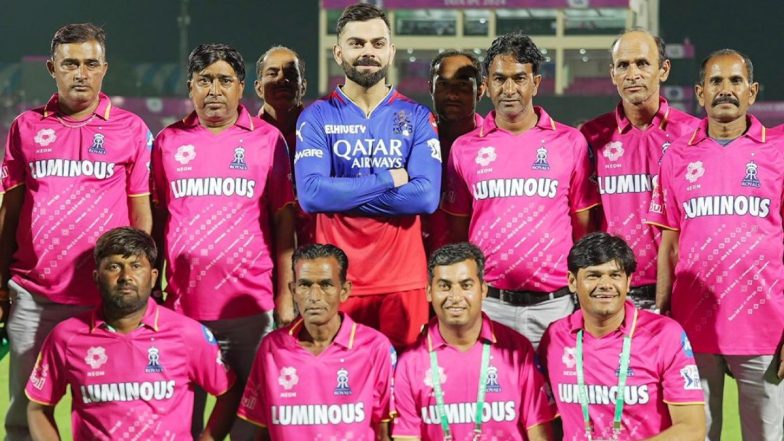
619	396
480	394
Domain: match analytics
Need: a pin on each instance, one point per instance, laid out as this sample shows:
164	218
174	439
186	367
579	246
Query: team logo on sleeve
288	378
613	150
39	375
298	132
208	335
402	124
97	146
44	137
153	360
541	159
691	377
393	356
342	387
238	163
491	384
150	140
485	156
686	345
694	171
751	179
185	154
96	357
435	149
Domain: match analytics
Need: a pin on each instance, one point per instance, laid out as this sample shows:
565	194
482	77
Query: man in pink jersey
627	145
518	188
456	87
73	169
468	377
324	376
224	196
130	364
662	398
720	262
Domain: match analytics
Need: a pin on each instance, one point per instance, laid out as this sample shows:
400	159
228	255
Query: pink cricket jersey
221	192
340	394
726	203
626	162
129	386
78	176
520	192
517	397
661	372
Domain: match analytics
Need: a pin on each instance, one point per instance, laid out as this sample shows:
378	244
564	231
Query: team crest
613	150
694	171
401	125
288	378
485	156
541	159
153	360
96	357
492	380
342	387
238	163
751	179
97	146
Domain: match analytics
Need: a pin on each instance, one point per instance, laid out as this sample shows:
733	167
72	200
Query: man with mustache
336	370
73	168
225	218
468	377
609	345
368	162
627	145
519	188
131	365
721	191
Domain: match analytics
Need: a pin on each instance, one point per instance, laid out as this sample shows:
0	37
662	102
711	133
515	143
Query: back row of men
705	220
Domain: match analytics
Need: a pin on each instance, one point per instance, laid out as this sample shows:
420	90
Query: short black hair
126	242
455	53
260	61
660	45
518	45
360	12
78	33
600	248
208	53
319	251
719	53
454	253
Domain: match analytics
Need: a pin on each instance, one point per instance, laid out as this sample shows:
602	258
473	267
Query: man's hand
399	176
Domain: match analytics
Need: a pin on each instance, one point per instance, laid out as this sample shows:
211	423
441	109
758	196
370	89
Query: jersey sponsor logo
97	146
507	188
298	132
67	168
726	206
318	414
96	357
370	153
393	356
238	163
691	377
39	375
569	358
541	159
288	378
463	413
694	171
751	179
185	154
485	156
613	150
491	385
656	196
4	172
602	394
342	129
131	391
149	140
153	360
308	153
435	149
342	388
401	125
620	184
213	187
686	345
208	335
429	377
44	137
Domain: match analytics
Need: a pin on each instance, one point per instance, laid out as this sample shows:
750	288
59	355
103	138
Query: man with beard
131	365
368	162
721	192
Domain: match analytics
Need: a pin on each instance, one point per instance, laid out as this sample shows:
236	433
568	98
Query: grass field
62	414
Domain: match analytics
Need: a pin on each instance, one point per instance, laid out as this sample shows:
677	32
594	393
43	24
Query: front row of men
616	372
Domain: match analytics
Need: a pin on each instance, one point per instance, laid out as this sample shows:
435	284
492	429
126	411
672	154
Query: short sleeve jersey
726	202
129	386
520	192
341	394
661	372
516	398
626	163
221	192
341	169
77	177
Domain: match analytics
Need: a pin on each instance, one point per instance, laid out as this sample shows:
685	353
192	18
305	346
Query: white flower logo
613	150
429	375
288	378
44	137
568	358
96	357
694	171
185	154
485	156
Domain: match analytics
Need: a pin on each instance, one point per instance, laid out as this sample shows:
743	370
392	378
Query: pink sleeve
139	169
253	403
664	210
207	367
14	169
48	381
382	394
680	377
536	406
281	188
408	422
457	199
583	193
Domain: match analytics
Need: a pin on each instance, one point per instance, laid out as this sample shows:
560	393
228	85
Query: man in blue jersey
368	161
